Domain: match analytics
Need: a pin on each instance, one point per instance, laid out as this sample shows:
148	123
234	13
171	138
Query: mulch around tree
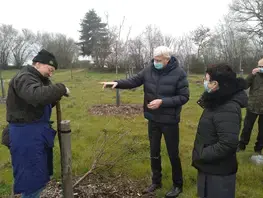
112	109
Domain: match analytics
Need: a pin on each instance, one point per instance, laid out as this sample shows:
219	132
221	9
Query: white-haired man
165	91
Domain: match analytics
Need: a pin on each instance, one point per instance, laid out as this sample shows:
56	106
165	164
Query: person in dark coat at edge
30	99
216	141
254	110
165	92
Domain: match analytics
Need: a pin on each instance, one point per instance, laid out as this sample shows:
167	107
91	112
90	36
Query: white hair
260	62
162	51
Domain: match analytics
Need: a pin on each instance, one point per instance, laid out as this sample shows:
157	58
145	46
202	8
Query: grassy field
86	92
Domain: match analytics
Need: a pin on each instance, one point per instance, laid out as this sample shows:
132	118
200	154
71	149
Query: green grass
86	128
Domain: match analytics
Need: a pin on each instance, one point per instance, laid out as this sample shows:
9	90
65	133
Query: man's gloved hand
68	92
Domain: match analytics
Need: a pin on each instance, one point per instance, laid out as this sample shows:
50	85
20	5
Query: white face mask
207	89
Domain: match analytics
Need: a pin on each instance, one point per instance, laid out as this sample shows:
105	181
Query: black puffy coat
169	84
218	130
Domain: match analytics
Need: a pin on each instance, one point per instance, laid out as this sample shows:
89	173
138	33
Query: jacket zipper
157	86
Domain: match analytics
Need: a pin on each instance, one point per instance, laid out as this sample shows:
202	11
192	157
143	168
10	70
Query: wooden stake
66	159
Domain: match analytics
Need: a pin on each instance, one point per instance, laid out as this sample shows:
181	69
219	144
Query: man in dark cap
30	99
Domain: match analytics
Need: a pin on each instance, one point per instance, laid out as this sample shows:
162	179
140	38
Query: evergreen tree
94	38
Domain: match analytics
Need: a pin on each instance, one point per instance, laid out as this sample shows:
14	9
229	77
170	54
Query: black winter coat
28	94
218	130
169	84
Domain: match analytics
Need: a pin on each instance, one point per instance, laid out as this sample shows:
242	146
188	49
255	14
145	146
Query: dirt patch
98	187
110	109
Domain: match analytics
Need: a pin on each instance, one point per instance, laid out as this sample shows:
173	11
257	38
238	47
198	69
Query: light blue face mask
207	89
158	65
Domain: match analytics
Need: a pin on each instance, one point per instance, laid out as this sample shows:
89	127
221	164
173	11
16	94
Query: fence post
2	87
118	100
65	133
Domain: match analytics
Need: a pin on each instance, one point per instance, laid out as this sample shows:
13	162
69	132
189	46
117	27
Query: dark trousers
171	136
246	132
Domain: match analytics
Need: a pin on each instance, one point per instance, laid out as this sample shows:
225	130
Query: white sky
174	17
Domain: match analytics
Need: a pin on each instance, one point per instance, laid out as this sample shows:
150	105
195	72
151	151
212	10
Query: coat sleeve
132	82
227	126
182	93
54	104
34	93
249	80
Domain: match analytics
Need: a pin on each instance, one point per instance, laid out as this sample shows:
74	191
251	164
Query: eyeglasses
51	69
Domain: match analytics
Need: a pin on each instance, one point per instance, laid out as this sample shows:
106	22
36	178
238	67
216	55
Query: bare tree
105	155
152	38
200	37
249	13
118	55
23	49
168	40
119	46
256	48
136	52
8	36
183	49
64	48
230	44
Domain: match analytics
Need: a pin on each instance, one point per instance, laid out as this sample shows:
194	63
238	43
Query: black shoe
152	188
174	192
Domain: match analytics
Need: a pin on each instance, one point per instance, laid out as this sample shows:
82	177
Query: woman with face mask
216	141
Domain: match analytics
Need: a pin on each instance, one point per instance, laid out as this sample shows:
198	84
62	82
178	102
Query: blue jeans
35	194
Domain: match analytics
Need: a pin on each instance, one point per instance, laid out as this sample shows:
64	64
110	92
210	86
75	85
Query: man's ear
167	60
214	85
37	65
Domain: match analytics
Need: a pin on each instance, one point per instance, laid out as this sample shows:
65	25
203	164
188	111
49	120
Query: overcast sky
174	17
